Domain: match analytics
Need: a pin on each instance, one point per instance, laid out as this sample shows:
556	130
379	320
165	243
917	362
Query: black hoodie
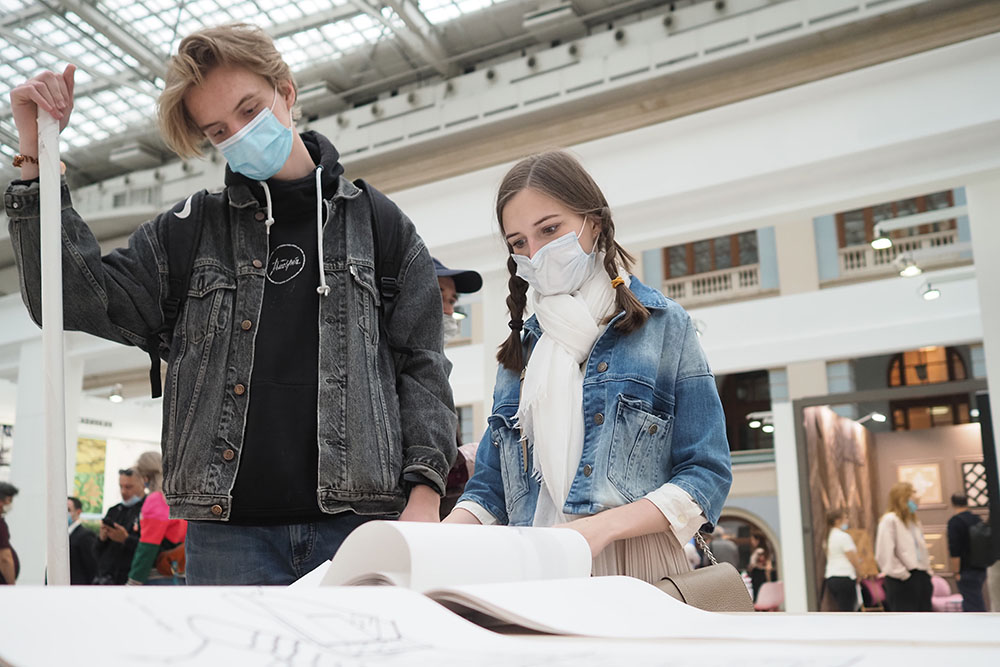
276	482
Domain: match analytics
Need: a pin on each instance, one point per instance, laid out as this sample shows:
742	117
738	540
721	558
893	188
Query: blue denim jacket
651	413
379	418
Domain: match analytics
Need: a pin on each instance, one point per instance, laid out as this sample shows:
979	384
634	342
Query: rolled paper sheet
54	404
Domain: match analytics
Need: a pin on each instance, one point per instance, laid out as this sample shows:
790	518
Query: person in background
761	567
724	549
157	531
119	534
453	282
82	546
842	563
970	579
901	553
617	430
10	566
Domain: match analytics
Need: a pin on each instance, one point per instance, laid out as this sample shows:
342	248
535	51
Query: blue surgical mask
559	267
912	506
69	519
844	526
261	147
131	501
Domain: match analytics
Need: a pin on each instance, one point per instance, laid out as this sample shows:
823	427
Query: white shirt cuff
478	511
680	509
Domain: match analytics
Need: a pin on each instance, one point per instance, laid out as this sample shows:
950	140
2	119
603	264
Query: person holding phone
119	534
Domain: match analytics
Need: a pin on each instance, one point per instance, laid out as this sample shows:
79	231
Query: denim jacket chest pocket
639	456
364	299
515	460
209	306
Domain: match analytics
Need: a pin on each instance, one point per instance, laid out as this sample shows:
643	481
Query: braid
510	354
635	314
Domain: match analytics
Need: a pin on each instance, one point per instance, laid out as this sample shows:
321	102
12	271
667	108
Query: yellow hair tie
617	282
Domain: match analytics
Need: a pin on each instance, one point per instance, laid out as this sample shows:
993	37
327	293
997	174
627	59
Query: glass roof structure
121	46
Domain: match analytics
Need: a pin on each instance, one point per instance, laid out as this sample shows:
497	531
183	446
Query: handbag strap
704	547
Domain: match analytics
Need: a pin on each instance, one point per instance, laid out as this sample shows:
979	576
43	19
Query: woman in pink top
901	553
157	531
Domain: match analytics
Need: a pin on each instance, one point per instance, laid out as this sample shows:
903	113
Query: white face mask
560	267
451	328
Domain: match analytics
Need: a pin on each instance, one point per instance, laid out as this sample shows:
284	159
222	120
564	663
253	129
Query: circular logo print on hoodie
286	262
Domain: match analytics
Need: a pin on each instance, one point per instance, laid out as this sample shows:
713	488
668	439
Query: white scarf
550	412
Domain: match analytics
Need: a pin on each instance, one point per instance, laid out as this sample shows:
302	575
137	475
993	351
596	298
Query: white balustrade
864	260
722	285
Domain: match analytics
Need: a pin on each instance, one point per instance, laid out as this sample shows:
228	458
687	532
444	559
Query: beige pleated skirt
648	557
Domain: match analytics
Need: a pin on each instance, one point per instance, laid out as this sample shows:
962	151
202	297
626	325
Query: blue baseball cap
466	281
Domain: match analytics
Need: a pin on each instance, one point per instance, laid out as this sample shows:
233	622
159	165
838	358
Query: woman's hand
594	529
49	91
637	518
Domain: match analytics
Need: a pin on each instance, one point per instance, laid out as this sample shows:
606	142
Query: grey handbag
717	587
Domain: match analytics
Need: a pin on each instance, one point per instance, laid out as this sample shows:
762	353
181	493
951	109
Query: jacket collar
647	296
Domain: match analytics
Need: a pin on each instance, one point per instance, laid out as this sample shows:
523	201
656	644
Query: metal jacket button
229	455
217	510
260	215
239	390
653	429
587	469
601	367
257	264
246	324
598	419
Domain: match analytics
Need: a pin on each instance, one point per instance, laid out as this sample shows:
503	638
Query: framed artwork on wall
926	481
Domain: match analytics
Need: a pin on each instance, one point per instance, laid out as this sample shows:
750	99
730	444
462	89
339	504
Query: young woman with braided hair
606	418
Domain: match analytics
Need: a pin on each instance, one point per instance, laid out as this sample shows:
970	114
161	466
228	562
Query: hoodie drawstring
270	214
323	289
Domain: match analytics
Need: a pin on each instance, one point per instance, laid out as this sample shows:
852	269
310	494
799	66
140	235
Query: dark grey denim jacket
376	422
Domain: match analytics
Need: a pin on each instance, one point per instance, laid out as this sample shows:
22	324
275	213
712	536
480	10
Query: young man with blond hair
288	419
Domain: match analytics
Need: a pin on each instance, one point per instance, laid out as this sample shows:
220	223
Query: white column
804	379
792	564
983	200
27	470
495	330
798	267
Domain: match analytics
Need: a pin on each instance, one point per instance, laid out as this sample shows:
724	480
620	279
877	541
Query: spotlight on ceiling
875	416
930	293
881	241
767	428
909	268
974	413
116	394
754	424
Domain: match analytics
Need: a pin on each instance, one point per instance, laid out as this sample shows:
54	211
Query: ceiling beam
22	16
410	40
425	31
32	44
311	21
134	45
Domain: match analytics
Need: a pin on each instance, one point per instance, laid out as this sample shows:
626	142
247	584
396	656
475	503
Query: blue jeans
970	585
221	554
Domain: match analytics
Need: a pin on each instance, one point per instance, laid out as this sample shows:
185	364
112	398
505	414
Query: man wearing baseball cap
452	283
